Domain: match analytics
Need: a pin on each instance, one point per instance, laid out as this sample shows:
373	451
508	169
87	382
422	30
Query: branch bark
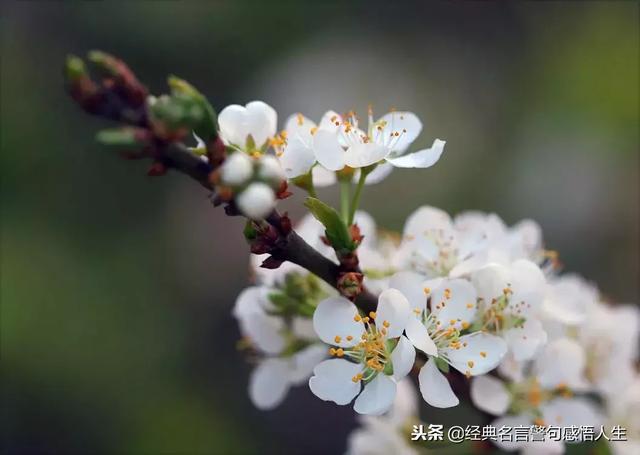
289	247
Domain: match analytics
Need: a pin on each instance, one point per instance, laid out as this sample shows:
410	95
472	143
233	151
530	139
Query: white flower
256	201
536	406
384	434
297	156
609	336
236	170
436	245
562	364
624	410
387	138
275	374
257	119
376	355
509	299
569	299
438	333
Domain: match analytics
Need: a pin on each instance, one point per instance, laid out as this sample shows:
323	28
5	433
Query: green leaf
207	126
335	228
442	365
249	231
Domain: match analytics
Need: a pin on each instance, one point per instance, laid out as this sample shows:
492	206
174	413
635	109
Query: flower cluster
261	157
352	310
467	294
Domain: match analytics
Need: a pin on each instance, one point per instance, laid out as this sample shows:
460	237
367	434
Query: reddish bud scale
87	94
349	261
271	263
356	236
157	169
285	224
216	152
283	192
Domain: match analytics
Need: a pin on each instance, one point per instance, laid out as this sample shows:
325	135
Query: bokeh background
117	288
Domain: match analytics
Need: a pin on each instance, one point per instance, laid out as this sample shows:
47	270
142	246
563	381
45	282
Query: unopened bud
350	284
270	170
237	169
256	201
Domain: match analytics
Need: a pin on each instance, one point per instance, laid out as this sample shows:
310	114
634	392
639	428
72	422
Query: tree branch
288	247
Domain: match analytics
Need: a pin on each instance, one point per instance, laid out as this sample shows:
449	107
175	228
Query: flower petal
435	387
334	317
454	301
265	332
421	159
377	396
257	119
303	362
406	404
490	394
297	158
479	353
403	357
332	381
419	336
322	177
566	412
393	308
406	124
233	128
328	151
269	383
524	341
562	362
297	125
330	121
411	285
364	154
490	281
380	173
262	121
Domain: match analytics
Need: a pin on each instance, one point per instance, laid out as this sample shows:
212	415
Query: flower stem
356	197
344	199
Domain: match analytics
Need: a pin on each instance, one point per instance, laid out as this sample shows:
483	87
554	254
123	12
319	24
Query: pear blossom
277	370
296	153
626	413
436	245
531	405
509	299
369	350
385	139
610	337
569	298
441	332
385	434
257	120
564	412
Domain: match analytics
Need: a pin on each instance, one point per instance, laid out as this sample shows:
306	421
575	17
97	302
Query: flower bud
271	171
237	169
257	201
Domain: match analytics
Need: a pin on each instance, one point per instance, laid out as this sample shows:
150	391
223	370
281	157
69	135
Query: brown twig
113	98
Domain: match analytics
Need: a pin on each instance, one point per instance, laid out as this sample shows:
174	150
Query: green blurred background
117	288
